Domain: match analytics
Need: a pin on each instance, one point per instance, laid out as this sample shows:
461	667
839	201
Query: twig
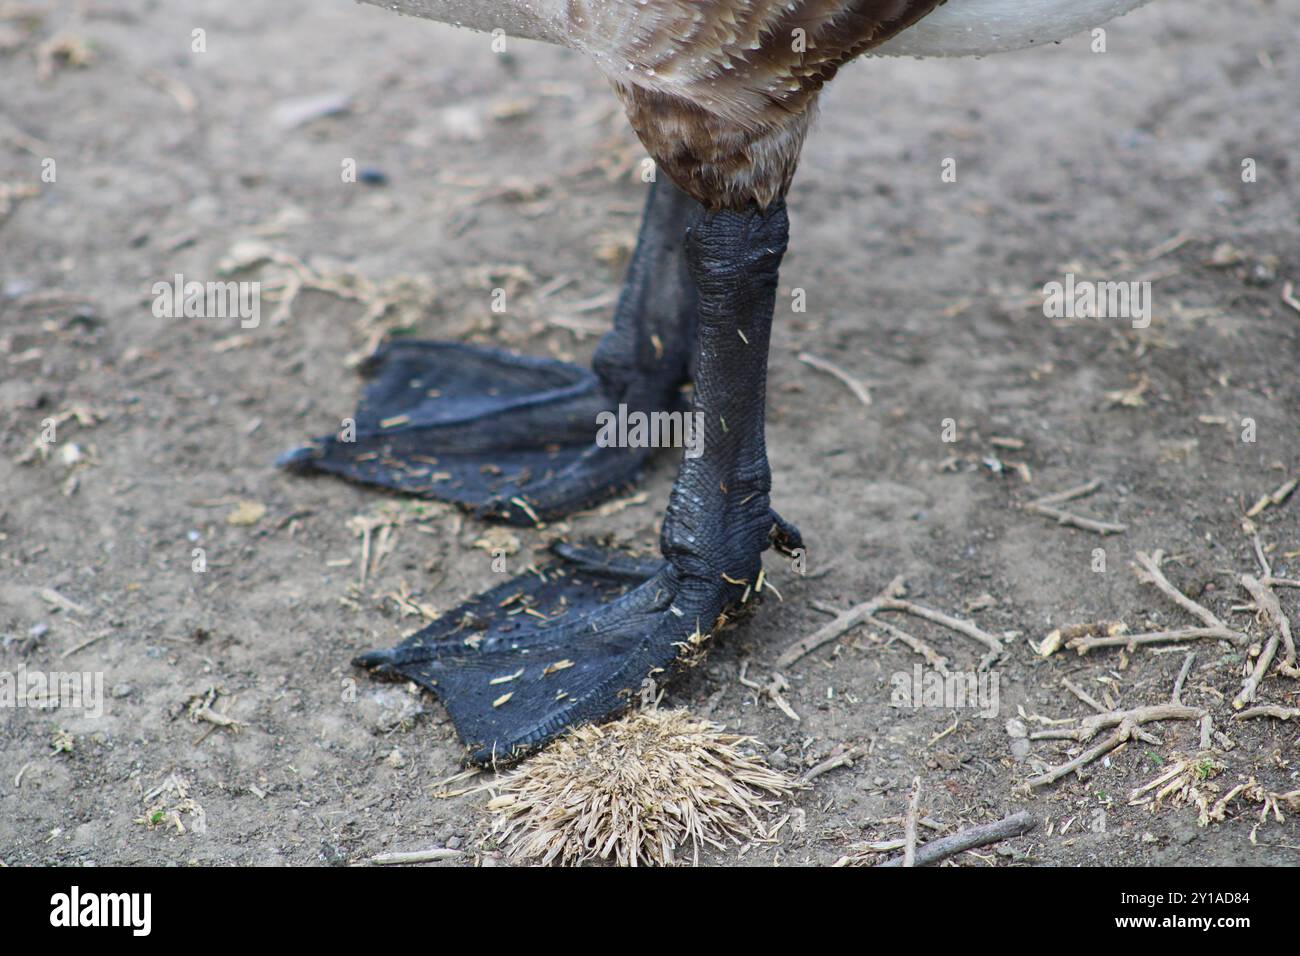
1148	571
845	621
1084	696
84	644
1085	644
1271	607
1279	495
1129	723
1046	506
1269	710
840	758
854	385
932	657
1288	295
1207	732
771	690
890	599
1182	677
909	825
416	856
1150	563
1261	591
952	623
968	839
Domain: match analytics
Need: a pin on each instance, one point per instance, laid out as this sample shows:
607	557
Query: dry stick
844	622
854	385
416	856
1149	572
932	657
1046	506
841	759
1084	696
84	644
1267	602
1288	296
1085	644
909	825
1129	723
1269	710
1261	591
1151	565
1278	496
969	839
1182	677
889	600
938	617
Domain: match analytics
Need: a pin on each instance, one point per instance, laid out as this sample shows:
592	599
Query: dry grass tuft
634	792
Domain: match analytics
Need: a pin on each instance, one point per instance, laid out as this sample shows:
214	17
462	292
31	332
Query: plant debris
635	792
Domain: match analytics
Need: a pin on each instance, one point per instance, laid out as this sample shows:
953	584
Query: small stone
122	690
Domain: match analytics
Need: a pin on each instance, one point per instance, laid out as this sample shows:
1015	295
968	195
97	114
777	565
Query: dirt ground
516	171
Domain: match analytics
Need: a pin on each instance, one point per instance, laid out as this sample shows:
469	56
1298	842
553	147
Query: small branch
1129	723
909	824
1150	563
952	623
1138	716
1182	678
858	388
1266	600
1288	295
845	621
416	856
841	758
968	839
890	599
932	657
1084	696
1085	644
1046	506
1269	710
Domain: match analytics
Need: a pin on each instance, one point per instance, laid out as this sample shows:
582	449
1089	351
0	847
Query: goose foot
570	643
515	438
575	641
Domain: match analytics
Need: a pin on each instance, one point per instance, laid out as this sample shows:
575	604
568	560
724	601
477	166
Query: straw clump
635	792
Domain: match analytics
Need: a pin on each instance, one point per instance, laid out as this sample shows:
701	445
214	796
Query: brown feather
722	93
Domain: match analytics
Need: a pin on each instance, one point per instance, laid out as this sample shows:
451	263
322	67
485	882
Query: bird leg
513	437
575	641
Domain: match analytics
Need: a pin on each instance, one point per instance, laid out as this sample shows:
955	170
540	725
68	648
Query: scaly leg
600	625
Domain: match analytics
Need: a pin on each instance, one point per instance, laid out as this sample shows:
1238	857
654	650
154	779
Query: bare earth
516	171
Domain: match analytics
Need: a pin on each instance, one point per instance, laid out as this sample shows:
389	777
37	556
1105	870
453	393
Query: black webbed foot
575	642
512	437
507	436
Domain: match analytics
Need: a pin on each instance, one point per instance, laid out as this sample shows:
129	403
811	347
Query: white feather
977	27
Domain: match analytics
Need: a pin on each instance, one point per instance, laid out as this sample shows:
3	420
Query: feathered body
722	92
